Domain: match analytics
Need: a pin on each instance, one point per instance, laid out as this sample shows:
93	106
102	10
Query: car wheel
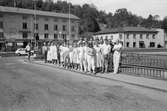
19	54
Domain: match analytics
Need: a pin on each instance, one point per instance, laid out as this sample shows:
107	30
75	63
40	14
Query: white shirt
106	49
117	47
28	48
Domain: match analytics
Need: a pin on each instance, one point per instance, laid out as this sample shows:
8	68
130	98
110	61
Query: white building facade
134	37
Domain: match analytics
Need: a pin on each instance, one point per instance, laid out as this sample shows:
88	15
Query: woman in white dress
98	55
116	56
85	61
81	56
91	53
54	53
61	54
49	54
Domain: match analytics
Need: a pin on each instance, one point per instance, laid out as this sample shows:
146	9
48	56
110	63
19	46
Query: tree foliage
90	17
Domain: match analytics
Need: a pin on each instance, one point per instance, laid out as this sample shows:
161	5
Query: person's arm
116	47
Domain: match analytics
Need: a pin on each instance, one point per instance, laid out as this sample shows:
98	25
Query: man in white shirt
28	50
106	48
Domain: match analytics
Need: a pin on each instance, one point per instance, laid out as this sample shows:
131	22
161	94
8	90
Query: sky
140	7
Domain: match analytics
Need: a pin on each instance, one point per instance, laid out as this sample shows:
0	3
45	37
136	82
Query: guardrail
144	65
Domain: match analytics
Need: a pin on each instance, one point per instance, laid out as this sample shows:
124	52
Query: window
55	19
35	18
147	36
127	36
36	26
64	36
72	21
141	36
25	35
1	15
24	17
73	36
24	25
64	20
46	27
46	35
1	35
120	36
64	27
73	28
153	36
36	36
1	25
55	36
134	36
152	44
141	44
46	19
127	44
56	27
134	44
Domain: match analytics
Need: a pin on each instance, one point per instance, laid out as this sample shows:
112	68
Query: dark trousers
45	56
106	62
29	55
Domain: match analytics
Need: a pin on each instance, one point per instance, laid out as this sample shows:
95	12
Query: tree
164	24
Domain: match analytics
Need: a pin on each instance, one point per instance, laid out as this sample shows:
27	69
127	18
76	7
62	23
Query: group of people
86	56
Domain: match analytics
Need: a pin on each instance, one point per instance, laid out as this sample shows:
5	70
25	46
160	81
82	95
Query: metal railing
144	65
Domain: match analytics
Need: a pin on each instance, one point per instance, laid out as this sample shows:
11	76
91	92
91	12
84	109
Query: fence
144	65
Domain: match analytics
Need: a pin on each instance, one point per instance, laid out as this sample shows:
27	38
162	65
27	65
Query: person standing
49	54
28	50
116	56
110	65
81	56
98	56
91	53
54	53
44	52
105	53
85	61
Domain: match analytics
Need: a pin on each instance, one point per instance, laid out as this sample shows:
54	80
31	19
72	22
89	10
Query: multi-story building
134	37
19	26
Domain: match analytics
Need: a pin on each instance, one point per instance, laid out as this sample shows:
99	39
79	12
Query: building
19	26
134	37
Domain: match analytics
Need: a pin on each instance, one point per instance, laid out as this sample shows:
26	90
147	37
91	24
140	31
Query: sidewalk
160	85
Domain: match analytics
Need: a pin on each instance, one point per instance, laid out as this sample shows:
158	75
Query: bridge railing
152	66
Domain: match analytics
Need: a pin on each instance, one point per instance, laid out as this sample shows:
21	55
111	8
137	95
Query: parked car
22	51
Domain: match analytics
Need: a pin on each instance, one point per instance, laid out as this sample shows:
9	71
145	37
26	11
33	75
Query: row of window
24	17
46	27
1	35
141	44
134	36
46	35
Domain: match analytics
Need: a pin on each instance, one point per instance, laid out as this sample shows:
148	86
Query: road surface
30	87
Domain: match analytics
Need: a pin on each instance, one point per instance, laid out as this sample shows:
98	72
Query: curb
89	74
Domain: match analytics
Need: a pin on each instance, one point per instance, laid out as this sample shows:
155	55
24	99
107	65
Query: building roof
38	12
127	29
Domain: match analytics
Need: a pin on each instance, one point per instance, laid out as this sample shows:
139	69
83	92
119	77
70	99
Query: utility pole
14	3
69	15
35	22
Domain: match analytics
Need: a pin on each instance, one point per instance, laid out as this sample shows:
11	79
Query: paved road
31	87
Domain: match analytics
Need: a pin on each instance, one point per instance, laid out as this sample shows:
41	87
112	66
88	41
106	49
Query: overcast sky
139	7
